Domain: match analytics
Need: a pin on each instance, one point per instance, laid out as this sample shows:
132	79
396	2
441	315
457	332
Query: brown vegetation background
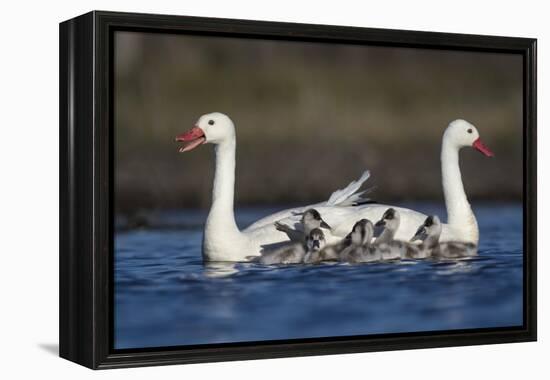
310	117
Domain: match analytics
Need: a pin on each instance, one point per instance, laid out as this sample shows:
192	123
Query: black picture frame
86	188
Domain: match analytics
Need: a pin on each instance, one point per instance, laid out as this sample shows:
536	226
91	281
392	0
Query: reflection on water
217	269
165	296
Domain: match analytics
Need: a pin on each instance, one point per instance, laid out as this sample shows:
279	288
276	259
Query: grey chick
330	252
390	223
429	233
311	219
359	250
386	246
295	253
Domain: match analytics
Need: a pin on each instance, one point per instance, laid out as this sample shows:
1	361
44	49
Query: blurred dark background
310	117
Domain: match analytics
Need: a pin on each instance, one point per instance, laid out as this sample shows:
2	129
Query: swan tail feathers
350	195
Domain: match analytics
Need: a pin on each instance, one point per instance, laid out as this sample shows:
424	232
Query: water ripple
165	296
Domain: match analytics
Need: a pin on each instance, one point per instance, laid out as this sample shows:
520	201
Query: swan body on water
223	241
461	222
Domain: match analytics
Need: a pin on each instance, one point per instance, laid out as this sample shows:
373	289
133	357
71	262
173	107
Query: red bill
191	139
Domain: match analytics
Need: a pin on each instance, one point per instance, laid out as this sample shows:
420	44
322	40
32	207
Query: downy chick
311	219
385	245
359	250
390	223
295	253
429	234
330	252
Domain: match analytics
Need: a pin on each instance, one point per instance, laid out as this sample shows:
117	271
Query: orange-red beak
482	148
192	139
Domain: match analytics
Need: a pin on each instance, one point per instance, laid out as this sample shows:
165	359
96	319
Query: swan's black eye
469	130
211	122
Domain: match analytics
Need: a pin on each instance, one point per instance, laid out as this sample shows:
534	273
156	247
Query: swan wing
289	216
348	196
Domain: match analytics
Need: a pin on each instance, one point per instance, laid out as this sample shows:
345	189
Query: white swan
462	223
222	239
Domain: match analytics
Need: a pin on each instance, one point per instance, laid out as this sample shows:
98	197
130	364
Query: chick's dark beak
380	223
325	225
420	234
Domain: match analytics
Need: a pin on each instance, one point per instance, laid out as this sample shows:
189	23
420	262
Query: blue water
166	296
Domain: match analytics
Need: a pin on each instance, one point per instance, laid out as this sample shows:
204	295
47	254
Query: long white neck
221	227
459	211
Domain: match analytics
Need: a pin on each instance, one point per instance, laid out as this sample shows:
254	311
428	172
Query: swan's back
345	198
410	220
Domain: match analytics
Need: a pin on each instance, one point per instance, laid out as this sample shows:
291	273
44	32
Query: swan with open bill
223	241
